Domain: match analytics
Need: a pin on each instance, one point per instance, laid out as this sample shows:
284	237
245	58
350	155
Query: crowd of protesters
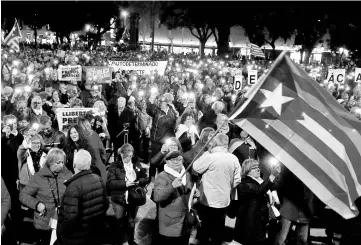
63	180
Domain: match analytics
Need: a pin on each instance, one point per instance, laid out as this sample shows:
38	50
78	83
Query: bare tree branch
191	29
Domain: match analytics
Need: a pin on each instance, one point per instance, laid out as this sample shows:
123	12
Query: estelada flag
308	131
13	39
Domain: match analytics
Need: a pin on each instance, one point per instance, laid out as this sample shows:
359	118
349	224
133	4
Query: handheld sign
358	75
141	67
69	116
98	74
252	77
66	73
336	76
237	85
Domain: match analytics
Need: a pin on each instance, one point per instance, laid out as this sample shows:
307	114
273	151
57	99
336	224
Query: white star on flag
275	99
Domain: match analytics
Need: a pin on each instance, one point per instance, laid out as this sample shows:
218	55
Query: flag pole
215	133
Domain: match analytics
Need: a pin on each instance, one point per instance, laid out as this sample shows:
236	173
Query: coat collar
78	175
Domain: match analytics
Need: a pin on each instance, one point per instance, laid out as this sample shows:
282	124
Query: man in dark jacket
51	135
84	205
163	127
119	118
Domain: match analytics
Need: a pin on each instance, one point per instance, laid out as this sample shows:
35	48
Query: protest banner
67	73
98	74
237	85
252	77
336	76
69	116
358	75
141	67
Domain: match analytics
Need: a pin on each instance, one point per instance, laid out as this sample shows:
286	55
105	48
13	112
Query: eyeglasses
35	143
255	167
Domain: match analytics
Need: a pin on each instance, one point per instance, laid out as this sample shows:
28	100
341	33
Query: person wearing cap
171	192
216	188
83	208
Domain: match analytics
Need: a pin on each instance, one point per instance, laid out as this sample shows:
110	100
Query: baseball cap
173	154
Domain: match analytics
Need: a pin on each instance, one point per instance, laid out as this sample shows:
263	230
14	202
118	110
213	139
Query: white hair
217	105
82	160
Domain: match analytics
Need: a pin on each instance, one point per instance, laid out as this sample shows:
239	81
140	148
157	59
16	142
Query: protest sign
358	75
237	85
141	67
252	77
66	73
69	116
98	74
336	76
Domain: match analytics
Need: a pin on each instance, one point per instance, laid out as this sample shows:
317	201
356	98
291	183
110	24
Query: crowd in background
160	119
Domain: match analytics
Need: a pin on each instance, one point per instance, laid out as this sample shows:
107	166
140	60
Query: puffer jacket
82	211
39	189
172	208
163	125
116	184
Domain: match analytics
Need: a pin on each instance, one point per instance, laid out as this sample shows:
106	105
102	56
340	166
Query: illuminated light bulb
95	87
168	142
141	93
35	126
267	126
27	88
134	86
18	90
201	85
30	77
153	90
152	77
273	161
139	56
193	129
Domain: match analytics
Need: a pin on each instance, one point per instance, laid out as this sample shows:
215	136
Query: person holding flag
309	132
13	39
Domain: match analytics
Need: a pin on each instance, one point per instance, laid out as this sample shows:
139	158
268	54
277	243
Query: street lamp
124	15
87	27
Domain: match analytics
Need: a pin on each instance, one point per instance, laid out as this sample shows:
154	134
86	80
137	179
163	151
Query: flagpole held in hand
215	133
